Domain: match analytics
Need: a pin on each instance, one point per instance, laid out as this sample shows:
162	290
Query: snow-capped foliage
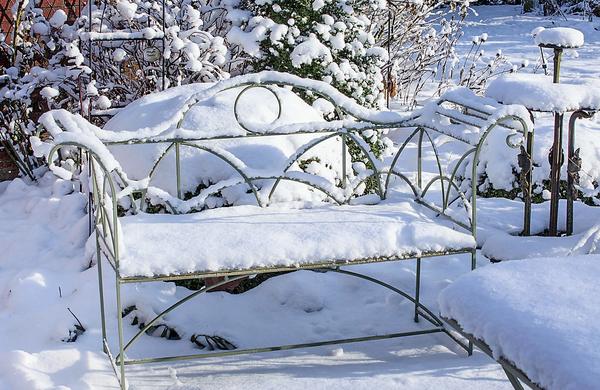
327	40
128	69
41	69
47	66
475	69
420	36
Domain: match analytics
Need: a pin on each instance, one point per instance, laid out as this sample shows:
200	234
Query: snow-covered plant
476	68
127	69
42	70
326	40
585	8
45	65
420	37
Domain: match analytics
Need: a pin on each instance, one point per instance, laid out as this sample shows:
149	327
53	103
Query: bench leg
473	266
101	293
121	357
417	289
514	381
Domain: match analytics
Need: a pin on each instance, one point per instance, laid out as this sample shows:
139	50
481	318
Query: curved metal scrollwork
264	186
239	96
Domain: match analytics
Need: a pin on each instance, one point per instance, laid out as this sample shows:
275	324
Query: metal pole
344	162
573	166
556	154
527	190
389	71
178	170
164	42
417	289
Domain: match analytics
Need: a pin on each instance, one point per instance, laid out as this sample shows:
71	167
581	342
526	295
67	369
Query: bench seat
250	237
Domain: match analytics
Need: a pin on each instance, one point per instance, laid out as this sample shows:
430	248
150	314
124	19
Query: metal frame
107	187
514	374
573	164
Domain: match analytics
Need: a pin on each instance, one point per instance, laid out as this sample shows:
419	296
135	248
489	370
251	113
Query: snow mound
541	314
559	36
539	93
209	117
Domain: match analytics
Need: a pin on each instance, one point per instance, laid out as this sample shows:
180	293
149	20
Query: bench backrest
459	115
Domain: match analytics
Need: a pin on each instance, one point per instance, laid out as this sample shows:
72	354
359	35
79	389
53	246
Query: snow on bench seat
540	314
249	237
537	92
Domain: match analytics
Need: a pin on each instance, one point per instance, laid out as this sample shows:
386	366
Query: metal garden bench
404	217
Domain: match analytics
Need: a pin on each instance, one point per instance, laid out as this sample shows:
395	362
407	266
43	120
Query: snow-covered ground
44	273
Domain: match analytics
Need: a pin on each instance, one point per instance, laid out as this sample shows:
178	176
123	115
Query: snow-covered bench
324	211
537	317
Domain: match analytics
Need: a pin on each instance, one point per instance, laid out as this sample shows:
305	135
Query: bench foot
417	289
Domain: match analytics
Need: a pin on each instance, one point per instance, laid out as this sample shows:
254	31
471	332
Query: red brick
8	169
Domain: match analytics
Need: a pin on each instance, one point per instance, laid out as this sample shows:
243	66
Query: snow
103	102
249	40
119	55
210	115
309	50
204	111
126	9
42	235
146	33
538	92
49	92
58	19
541	314
499	237
247	237
559	36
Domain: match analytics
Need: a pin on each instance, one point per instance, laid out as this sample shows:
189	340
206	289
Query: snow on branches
327	40
127	68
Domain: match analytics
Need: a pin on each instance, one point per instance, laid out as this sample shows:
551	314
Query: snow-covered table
163	166
538	318
539	93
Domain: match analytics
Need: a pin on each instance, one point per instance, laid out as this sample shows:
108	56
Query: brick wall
8	169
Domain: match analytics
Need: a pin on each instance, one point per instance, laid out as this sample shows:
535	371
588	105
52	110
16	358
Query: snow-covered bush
420	36
476	68
46	67
42	70
578	7
127	69
327	40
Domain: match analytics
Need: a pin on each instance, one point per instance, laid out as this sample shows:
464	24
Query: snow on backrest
255	139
